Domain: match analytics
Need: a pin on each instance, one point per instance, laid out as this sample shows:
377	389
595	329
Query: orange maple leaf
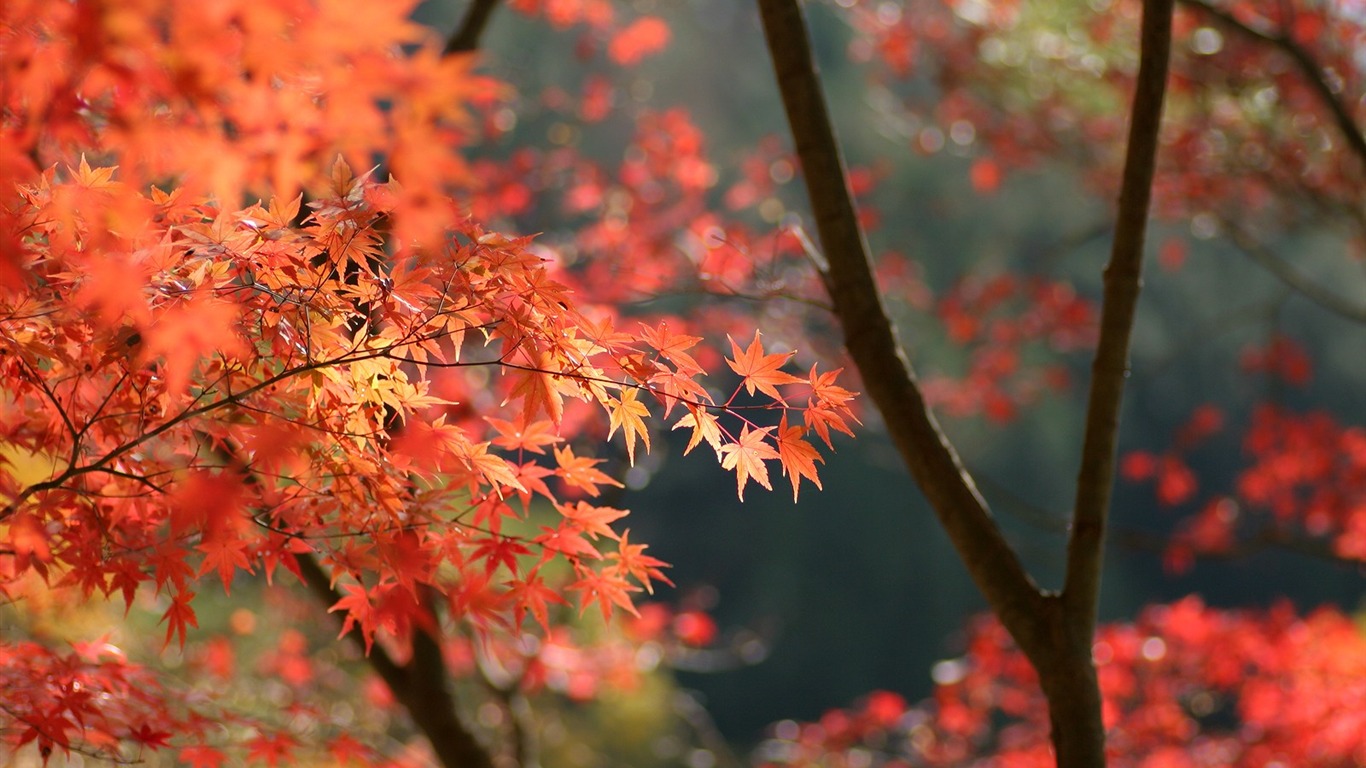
532	594
760	371
627	413
579	471
539	388
92	178
115	288
632	561
568	541
494	469
355	605
746	457
592	520
673	346
704	427
798	457
605	588
188	332
520	436
828	406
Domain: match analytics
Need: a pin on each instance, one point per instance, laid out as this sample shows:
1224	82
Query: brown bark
1123	278
871	340
465	38
421	685
1055	631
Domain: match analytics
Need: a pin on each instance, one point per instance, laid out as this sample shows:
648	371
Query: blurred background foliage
856	588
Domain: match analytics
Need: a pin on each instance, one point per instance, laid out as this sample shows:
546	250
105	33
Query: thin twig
1308	66
1294	279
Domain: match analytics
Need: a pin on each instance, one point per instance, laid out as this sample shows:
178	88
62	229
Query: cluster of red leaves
1282	357
1019	83
1175	482
226	391
240	95
627	43
1304	480
1184	686
997	320
89	698
214	390
1308	472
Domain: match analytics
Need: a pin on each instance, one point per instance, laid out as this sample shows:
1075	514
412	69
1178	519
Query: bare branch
1267	538
1085	549
1296	280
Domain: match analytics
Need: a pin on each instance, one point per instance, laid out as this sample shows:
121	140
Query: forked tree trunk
1055	630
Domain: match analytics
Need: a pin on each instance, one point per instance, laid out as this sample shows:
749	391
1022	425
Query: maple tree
362	385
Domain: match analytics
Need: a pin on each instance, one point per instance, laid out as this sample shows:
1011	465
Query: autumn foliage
197	390
1185	686
271	319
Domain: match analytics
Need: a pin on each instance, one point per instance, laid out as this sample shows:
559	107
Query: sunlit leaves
352	375
746	457
581	471
704	427
631	561
1300	483
628	414
798	457
760	371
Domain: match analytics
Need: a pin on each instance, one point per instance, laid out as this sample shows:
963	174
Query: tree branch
1294	279
1267	538
872	342
465	38
315	578
1123	275
420	685
1308	66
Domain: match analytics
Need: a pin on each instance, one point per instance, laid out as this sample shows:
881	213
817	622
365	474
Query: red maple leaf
271	749
179	616
644	37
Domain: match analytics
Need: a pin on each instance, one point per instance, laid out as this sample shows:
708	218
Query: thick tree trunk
1074	713
1067	677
